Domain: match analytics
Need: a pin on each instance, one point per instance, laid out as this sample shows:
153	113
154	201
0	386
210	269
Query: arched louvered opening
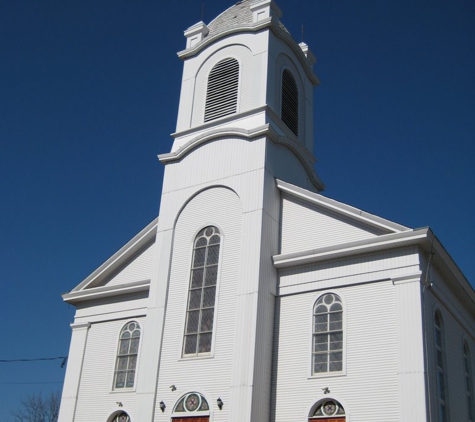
290	102
222	91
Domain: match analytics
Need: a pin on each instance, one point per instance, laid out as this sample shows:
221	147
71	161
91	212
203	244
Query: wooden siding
368	387
138	268
458	325
97	400
220	207
357	269
308	226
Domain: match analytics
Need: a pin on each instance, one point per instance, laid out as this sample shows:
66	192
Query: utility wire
64	359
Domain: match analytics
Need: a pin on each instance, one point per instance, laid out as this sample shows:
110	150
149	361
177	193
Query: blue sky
88	97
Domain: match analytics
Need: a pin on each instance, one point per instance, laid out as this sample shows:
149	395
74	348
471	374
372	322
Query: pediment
311	221
129	270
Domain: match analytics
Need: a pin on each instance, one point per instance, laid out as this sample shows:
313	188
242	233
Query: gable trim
340	208
387	241
119	258
107	291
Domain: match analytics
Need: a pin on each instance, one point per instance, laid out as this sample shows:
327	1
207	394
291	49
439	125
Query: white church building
253	297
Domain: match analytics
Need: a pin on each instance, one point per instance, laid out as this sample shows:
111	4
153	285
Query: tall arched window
202	292
128	349
222	90
439	338
327	353
467	367
290	102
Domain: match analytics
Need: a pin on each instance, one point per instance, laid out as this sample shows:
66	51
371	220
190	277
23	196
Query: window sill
327	375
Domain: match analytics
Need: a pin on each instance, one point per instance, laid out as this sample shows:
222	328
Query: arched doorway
327	411
191	407
120	417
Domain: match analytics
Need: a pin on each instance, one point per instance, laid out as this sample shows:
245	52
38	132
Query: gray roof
236	16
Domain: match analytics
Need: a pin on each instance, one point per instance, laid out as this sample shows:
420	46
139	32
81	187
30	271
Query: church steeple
244	73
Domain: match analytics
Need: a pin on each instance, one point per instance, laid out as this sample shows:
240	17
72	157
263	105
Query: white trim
107	291
321	375
381	243
120	257
340	208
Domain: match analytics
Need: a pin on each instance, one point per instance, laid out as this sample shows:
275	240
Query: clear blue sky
89	95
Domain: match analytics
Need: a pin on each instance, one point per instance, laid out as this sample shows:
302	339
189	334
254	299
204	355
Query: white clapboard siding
307	226
137	268
369	386
457	326
97	400
211	376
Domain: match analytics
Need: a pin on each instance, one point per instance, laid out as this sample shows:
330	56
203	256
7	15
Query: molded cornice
274	25
139	241
305	158
107	291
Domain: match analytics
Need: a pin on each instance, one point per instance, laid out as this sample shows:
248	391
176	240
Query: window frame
314	301
440	366
468	380
210	353
118	355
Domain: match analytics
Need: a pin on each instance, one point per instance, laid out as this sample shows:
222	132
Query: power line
30	383
63	358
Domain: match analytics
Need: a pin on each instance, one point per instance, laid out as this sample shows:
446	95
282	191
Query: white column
72	379
410	348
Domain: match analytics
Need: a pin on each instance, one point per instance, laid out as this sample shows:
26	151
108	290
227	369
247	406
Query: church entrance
327	411
327	419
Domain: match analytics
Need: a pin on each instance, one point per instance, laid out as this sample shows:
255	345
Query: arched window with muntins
127	353
467	367
202	292
222	89
439	340
328	411
290	102
327	352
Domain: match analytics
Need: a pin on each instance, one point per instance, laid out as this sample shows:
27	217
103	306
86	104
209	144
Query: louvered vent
221	96
290	102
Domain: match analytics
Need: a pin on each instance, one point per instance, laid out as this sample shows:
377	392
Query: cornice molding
102	292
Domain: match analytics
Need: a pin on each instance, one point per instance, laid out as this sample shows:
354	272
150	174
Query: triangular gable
128	270
312	221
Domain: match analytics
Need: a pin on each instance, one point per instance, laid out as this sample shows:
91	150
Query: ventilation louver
290	102
221	96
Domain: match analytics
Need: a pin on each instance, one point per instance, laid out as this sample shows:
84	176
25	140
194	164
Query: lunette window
440	366
327	353
222	90
126	363
202	292
290	102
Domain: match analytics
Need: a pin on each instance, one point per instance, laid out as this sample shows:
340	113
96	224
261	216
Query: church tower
253	298
244	119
